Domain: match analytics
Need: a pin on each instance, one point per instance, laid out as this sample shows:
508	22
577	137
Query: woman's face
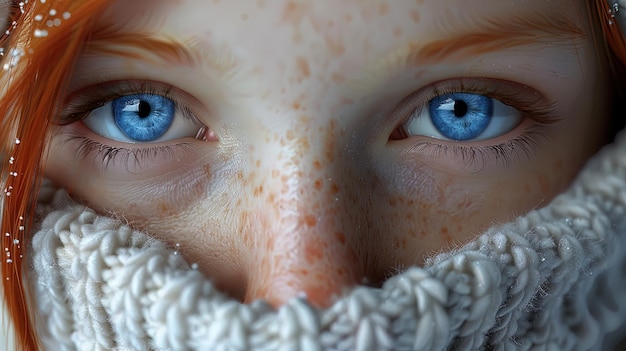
303	147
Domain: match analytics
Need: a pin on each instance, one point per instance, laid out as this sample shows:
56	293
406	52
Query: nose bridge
306	241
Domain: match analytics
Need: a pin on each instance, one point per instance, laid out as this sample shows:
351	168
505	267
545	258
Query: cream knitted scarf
554	279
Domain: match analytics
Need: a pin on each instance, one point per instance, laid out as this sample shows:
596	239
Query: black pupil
144	109
460	108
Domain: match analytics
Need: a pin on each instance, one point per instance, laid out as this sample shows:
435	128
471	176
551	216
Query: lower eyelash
477	158
131	158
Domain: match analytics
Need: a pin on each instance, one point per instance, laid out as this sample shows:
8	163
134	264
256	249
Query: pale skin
304	181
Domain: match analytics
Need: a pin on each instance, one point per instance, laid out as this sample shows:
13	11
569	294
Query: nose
306	230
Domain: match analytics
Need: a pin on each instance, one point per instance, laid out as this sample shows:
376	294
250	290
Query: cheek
450	210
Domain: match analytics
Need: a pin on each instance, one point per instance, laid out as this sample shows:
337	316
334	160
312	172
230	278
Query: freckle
162	208
334	189
383	9
291	8
338	78
335	46
258	191
445	234
275	173
258	163
317	165
296	106
332	124
397	32
303	67
341	238
310	220
290	135
244	17
330	23
349	18
318	184
415	16
313	252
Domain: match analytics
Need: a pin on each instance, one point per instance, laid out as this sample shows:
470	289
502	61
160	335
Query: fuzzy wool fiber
554	279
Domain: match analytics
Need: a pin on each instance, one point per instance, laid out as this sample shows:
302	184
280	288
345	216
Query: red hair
37	61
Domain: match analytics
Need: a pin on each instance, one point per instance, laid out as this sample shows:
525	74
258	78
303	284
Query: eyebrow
112	40
486	35
499	34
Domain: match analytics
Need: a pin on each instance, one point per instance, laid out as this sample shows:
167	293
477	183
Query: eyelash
476	157
82	102
110	154
531	104
528	101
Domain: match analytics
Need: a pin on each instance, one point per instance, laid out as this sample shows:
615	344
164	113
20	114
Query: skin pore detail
308	182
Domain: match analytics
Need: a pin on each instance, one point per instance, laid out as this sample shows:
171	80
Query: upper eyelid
79	103
528	100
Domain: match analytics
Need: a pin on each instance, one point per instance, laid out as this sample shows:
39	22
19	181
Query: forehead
326	25
302	49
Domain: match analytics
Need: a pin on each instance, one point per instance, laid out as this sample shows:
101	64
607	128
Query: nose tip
312	267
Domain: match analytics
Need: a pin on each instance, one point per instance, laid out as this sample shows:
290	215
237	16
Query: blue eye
143	117
463	117
140	118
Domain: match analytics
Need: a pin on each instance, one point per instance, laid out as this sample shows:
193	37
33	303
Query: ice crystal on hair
38	18
66	15
41	33
15	55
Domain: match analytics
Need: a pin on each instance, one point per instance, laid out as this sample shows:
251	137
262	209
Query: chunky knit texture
554	279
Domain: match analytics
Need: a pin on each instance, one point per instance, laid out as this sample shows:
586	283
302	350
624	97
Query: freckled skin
301	191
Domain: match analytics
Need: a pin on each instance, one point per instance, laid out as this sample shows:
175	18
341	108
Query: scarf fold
553	279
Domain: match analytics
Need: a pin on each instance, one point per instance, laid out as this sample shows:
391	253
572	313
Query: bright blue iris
143	117
461	116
